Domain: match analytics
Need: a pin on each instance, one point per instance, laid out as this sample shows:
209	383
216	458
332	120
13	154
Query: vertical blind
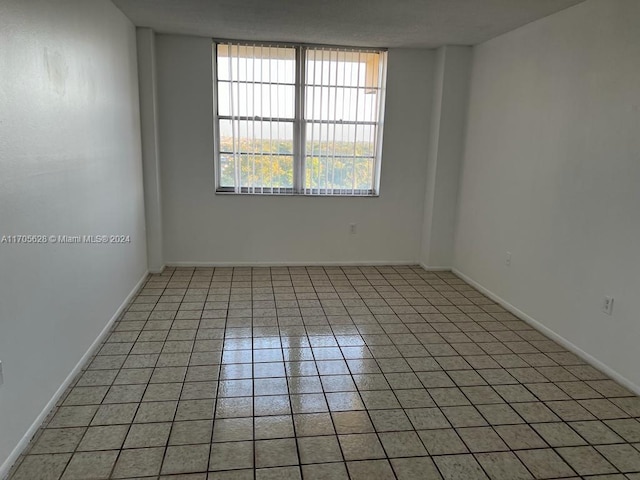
342	94
298	119
256	116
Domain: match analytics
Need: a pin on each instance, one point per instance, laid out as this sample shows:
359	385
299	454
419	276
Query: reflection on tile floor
332	373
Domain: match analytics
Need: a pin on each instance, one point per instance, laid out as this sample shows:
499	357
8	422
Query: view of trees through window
278	133
272	166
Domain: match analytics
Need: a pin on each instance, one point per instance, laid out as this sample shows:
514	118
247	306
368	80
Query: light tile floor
332	373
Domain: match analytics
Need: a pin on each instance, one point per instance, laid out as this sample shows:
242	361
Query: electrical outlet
607	305
507	260
352	228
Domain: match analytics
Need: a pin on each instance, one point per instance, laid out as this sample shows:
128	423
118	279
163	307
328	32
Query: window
298	119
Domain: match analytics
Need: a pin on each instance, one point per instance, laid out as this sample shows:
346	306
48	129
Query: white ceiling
376	23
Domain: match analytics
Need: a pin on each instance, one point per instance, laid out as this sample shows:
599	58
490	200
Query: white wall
200	226
552	173
148	91
446	140
69	164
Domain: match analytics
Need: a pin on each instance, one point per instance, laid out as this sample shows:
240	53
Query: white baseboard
551	334
290	264
429	268
24	442
156	271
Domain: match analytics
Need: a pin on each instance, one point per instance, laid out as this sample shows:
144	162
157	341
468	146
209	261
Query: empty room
341	240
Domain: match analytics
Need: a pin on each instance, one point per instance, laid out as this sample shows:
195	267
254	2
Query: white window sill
296	194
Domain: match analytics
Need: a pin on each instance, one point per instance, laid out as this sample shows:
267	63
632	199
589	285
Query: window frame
299	125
